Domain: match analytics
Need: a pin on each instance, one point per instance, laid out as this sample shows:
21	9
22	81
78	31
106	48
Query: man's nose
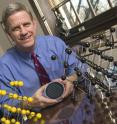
23	31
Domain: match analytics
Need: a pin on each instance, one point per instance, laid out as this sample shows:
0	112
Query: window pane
68	14
83	9
73	12
114	2
100	6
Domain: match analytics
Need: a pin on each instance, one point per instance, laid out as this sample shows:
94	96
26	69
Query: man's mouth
25	37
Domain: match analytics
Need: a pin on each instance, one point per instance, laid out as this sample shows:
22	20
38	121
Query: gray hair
11	9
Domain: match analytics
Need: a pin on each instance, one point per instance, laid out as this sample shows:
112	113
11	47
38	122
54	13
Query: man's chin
27	47
28	44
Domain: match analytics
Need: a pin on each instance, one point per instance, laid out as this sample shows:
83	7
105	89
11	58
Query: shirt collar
27	55
23	54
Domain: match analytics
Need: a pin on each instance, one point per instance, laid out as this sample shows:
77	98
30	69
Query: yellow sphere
35	119
12	83
27	112
32	114
23	112
3	119
10	95
0	92
13	109
15	96
7	122
30	99
29	117
16	83
38	115
19	97
17	122
18	110
13	121
3	92
42	121
9	108
25	98
5	106
20	83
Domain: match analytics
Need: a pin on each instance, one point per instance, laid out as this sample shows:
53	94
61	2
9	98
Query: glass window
75	12
114	2
99	6
83	10
69	15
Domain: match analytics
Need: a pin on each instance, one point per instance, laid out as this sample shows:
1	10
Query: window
100	6
114	2
75	12
82	9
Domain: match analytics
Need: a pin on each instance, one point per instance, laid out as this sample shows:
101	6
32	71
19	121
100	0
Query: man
17	64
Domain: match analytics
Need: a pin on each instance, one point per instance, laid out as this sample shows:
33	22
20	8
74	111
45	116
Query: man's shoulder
7	56
50	40
46	36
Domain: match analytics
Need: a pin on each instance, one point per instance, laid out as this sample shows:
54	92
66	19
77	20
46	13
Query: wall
48	13
44	14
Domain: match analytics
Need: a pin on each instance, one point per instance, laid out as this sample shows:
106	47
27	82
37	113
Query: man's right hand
39	100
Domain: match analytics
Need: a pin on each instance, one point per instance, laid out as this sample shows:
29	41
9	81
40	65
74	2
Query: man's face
22	30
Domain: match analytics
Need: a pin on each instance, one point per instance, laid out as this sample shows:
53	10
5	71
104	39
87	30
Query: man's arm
72	77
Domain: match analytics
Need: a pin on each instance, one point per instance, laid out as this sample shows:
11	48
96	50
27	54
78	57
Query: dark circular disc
54	90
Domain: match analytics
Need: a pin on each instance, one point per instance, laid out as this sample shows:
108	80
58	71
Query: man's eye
15	29
27	24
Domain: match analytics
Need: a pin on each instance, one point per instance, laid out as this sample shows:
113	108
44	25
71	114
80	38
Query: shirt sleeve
5	78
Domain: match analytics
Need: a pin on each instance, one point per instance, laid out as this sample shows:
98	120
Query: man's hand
39	100
68	88
68	84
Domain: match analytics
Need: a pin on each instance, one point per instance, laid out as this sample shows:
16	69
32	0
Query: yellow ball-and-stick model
18	110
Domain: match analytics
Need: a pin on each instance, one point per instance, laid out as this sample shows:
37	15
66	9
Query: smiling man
17	64
21	27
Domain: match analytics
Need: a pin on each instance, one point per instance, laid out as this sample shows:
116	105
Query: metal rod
110	3
101	50
75	13
91	7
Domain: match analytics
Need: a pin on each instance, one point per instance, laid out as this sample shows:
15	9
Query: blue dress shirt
18	65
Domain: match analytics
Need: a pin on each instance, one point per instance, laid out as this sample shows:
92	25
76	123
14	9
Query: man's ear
7	33
9	37
6	30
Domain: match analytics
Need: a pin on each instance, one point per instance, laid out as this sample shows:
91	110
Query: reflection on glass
83	9
75	12
114	2
67	12
100	6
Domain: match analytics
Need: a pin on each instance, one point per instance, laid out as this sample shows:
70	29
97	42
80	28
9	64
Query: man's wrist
72	78
26	105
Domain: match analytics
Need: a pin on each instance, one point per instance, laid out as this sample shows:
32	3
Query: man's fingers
48	100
